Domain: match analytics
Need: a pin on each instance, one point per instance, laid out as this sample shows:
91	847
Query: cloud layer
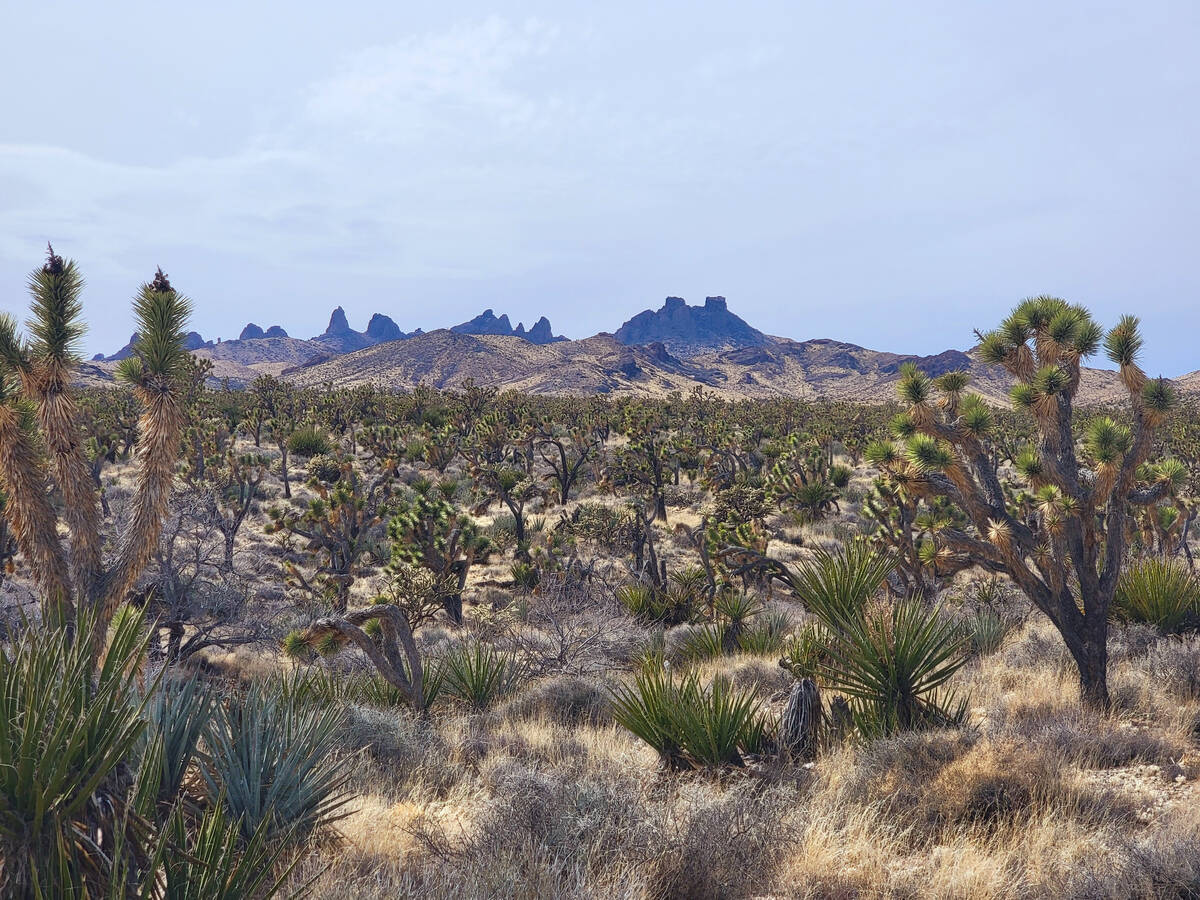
893	175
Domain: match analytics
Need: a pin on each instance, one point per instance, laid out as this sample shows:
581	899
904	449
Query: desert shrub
650	606
309	441
325	468
403	750
503	532
1160	592
689	724
1174	665
547	834
611	528
565	699
727	847
1087	740
478	674
525	576
986	630
272	761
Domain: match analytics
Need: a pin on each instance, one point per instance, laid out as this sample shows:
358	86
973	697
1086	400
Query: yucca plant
273	761
688	724
309	441
715	723
986	630
478	674
40	442
1161	592
217	862
734	611
766	635
525	576
703	642
893	659
806	651
837	586
178	714
645	707
67	738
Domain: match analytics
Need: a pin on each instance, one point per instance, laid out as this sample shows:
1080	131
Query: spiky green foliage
986	629
838	585
1106	440
689	724
272	763
894	659
65	736
952	382
309	441
914	386
160	313
1051	380
56	323
478	674
928	454
1123	344
218	862
1164	593
179	713
1159	396
975	416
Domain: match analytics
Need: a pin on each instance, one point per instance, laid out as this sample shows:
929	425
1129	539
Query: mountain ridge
674	348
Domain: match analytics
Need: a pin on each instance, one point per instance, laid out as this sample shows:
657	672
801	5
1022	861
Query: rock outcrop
487	322
689	330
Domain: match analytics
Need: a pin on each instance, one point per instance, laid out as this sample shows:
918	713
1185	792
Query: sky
890	174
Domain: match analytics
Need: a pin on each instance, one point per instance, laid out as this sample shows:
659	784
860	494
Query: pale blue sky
891	174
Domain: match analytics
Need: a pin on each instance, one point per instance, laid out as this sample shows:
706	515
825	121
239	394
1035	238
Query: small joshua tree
1065	548
41	442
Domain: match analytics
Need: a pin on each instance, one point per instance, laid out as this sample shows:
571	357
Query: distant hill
674	348
339	337
687	330
818	369
253	333
488	323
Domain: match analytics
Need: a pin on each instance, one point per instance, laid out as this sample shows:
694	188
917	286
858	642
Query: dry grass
543	797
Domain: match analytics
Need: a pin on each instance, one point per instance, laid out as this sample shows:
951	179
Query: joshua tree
41	440
429	532
566	455
1066	547
338	528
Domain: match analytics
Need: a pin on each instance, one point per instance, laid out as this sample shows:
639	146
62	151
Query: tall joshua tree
41	442
1065	551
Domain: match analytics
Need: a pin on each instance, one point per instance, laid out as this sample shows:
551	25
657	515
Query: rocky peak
487	322
687	330
337	322
251	333
381	328
541	332
275	331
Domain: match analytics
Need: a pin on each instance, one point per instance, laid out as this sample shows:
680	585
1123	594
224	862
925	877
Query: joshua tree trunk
1089	649
801	719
